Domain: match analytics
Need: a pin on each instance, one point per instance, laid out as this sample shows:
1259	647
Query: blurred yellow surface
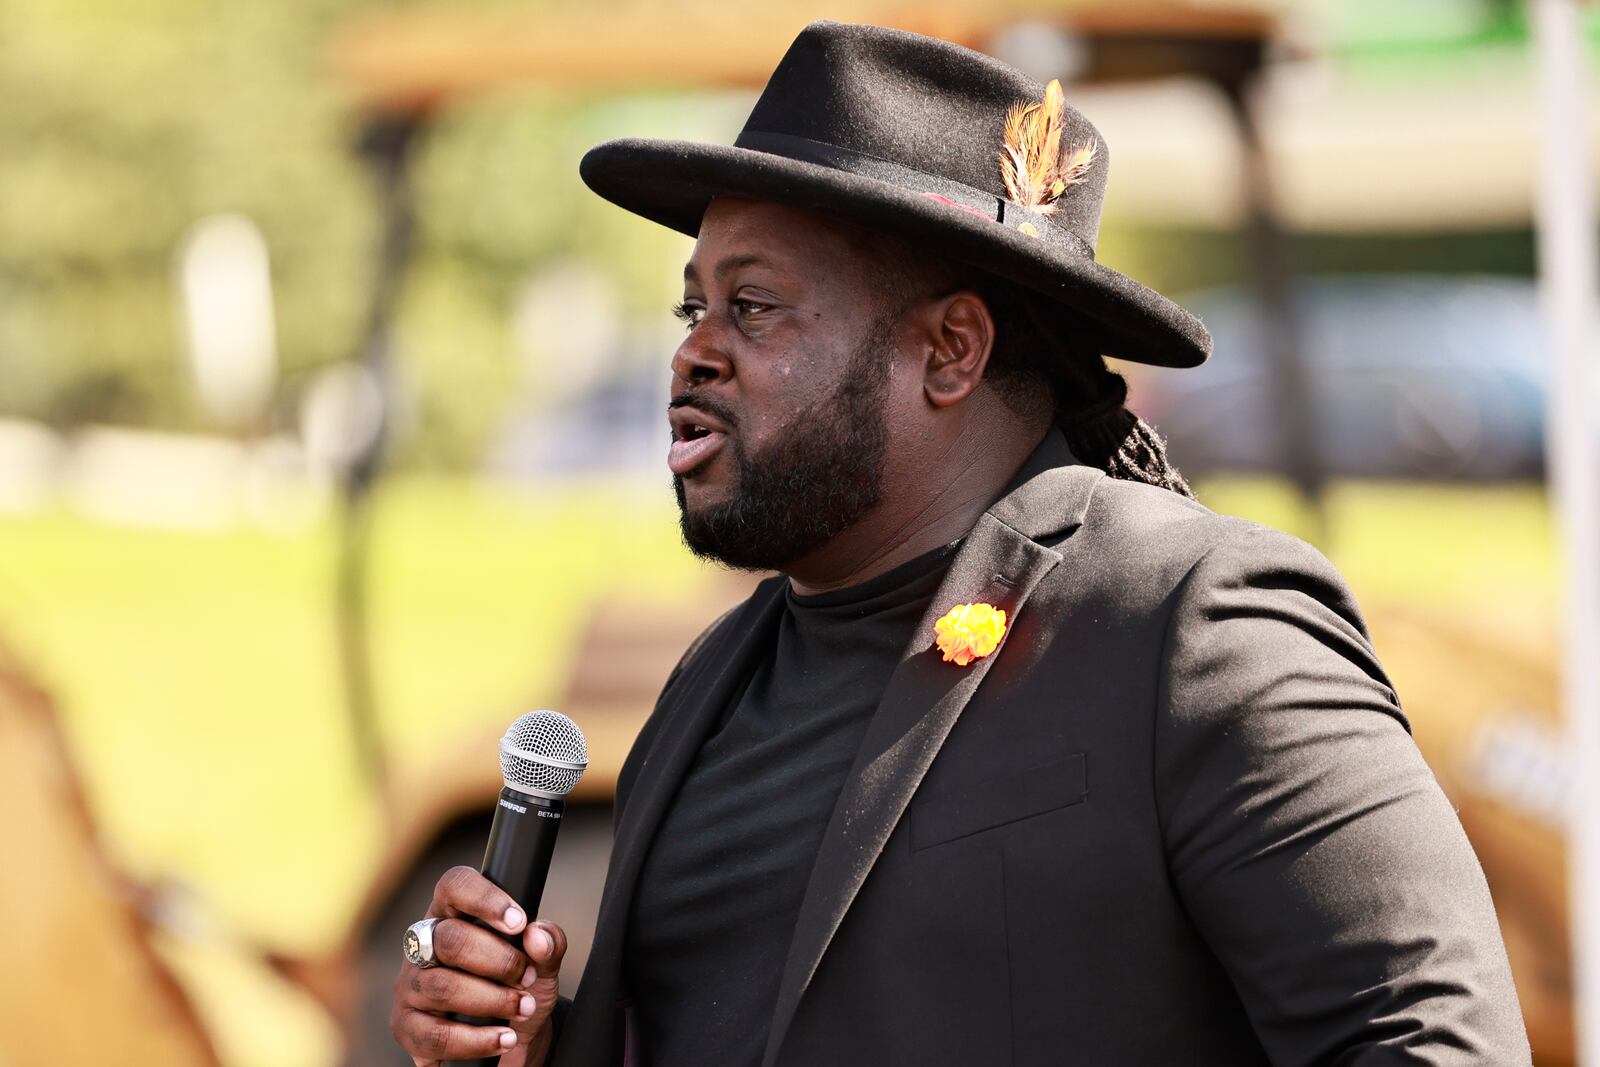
81	982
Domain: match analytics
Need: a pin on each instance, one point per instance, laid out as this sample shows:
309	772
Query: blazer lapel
700	697
1001	563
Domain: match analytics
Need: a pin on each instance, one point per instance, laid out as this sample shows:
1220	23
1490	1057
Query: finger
546	944
463	891
400	1014
467	947
531	1050
429	1037
440	990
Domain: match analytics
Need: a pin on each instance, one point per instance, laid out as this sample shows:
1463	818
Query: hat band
973	200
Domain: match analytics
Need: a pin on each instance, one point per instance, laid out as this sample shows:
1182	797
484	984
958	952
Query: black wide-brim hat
903	133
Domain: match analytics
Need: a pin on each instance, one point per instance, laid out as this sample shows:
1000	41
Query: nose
699	360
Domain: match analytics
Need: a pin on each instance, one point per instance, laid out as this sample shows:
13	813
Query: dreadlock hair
1042	349
1045	360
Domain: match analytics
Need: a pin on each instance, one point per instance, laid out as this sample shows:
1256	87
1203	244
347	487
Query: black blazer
1178	818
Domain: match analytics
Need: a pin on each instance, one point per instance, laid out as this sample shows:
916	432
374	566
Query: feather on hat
1031	163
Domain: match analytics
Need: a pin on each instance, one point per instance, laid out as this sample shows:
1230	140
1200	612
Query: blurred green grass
197	673
198	678
1481	556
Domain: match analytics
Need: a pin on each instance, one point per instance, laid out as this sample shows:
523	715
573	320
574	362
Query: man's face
781	406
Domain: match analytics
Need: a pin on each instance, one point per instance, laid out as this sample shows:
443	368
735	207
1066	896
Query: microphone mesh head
543	753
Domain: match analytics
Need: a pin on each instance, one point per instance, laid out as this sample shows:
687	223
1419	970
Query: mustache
706	403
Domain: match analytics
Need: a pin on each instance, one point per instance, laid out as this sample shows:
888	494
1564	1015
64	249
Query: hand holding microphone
480	979
477	973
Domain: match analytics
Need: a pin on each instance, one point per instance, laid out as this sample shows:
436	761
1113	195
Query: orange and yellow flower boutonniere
970	631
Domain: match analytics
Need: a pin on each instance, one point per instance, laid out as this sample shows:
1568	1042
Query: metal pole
1567	282
385	145
1272	274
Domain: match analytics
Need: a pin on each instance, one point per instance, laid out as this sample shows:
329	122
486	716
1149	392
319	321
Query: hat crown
903	134
921	103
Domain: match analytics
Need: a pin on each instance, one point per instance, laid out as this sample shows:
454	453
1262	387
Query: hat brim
671	182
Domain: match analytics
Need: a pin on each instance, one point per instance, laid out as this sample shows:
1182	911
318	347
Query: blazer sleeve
1304	833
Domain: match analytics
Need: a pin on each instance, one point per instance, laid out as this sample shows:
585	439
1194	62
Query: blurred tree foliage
124	123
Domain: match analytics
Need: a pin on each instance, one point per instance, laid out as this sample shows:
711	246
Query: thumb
545	943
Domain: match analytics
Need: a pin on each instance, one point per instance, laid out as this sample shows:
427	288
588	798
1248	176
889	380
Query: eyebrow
729	263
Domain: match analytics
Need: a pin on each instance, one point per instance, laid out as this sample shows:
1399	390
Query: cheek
906	400
773	392
770	405
909	414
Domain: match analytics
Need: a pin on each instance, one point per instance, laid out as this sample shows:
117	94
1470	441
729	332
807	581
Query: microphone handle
522	839
521	842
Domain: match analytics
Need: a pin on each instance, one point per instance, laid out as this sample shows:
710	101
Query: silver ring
418	944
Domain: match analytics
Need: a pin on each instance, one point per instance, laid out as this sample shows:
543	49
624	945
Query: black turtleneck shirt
721	889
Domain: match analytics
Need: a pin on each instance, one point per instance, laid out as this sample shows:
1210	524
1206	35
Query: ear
959	334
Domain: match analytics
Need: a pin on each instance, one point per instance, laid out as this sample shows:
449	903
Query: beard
823	474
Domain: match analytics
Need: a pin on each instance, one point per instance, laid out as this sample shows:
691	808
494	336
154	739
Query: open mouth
696	437
693	449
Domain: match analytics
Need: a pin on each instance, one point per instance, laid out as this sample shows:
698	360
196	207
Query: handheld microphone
542	755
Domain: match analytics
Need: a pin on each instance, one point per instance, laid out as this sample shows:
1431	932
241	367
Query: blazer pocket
997	801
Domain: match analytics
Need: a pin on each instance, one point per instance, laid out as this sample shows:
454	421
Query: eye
746	308
689	314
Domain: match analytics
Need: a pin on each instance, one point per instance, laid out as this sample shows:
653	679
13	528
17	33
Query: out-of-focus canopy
419	59
1368	135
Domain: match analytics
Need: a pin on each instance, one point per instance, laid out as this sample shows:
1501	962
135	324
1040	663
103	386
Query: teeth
694	431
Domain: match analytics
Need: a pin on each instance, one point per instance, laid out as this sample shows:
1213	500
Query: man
1026	756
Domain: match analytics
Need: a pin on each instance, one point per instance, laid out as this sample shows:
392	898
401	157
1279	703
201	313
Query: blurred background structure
331	439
